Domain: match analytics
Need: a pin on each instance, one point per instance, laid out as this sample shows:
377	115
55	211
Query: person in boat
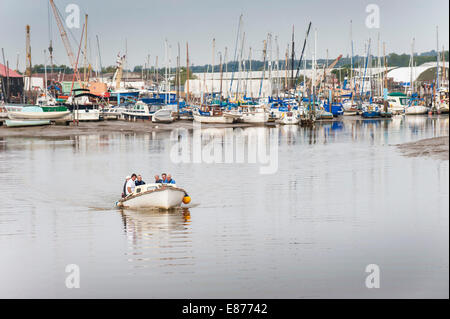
157	179
131	185
139	181
164	178
169	180
124	192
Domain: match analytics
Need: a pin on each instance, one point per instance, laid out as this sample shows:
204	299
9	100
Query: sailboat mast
166	71
314	73
437	58
235	52
365	69
444	71
45	75
385	67
100	58
221	75
85	52
240	67
156	74
378	82
178	82
292	59
278	68
286	68
187	73
264	67
251	72
212	69
248	70
270	63
351	80
148	69
411	84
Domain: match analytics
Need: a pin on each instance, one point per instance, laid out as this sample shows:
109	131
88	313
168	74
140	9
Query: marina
177	157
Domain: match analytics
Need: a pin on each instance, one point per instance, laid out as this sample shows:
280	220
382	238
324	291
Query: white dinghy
163	116
164	196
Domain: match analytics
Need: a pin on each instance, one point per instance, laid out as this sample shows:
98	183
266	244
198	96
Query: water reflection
158	237
377	130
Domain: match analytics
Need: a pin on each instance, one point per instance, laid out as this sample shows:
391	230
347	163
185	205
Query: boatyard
281	158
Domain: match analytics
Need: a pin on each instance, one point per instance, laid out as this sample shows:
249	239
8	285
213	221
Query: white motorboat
163	196
214	116
442	101
113	113
397	102
288	118
163	116
141	111
81	106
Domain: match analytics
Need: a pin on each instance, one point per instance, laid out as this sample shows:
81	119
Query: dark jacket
124	191
139	183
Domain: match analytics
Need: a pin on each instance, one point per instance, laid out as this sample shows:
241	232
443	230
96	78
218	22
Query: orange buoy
186	199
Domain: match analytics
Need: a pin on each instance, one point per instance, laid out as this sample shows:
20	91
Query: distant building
11	84
403	75
274	81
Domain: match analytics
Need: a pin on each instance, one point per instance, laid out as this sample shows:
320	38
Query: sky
145	25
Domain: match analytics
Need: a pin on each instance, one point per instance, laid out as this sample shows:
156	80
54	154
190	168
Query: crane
332	65
66	42
119	67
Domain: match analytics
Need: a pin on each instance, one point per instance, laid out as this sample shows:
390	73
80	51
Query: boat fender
186	199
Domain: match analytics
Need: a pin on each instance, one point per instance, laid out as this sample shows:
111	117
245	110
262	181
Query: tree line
393	60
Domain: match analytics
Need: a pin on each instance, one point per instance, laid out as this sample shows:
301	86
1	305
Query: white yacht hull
416	110
213	119
256	118
165	197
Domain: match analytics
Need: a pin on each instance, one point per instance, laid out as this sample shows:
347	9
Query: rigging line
49	20
235	51
303	50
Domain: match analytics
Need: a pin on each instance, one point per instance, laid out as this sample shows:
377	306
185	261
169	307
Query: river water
303	218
